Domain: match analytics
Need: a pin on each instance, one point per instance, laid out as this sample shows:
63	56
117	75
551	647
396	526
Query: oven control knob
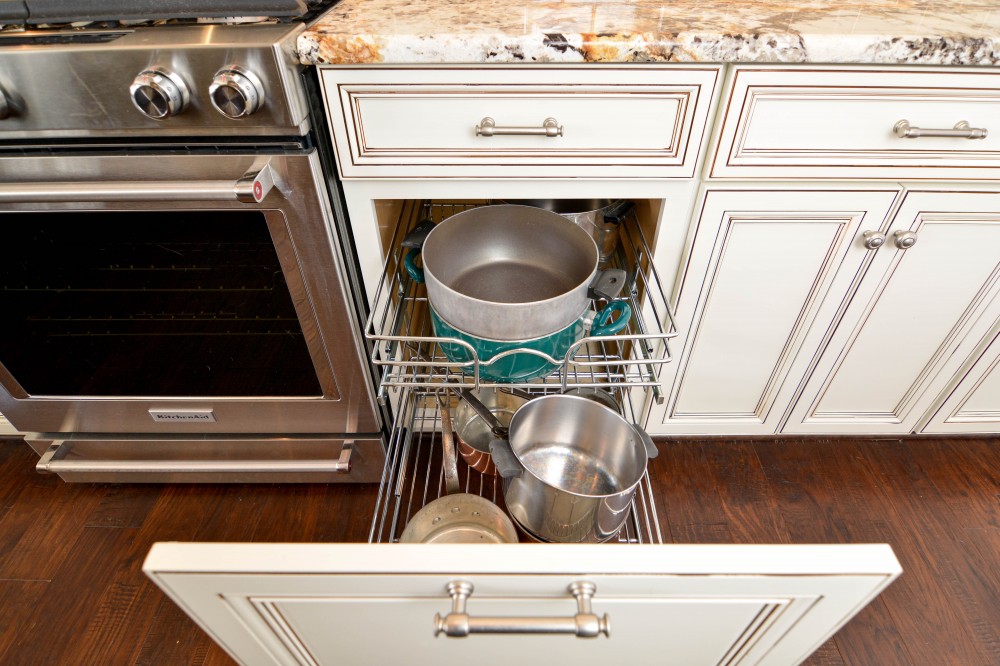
236	92
159	94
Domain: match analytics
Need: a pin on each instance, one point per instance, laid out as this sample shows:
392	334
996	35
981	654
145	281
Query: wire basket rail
413	476
404	346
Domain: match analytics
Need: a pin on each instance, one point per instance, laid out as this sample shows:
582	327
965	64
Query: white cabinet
366	604
912	321
767	273
973	406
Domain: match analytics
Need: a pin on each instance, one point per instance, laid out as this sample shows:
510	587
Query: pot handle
504	459
616	214
449	460
415	240
607	285
603	324
498	429
647	441
416	273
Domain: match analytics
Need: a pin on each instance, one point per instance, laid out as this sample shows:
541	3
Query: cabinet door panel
376	604
897	343
974	405
761	268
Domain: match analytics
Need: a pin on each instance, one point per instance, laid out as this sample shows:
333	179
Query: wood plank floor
72	592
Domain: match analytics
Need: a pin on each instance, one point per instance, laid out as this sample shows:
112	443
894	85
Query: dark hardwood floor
72	590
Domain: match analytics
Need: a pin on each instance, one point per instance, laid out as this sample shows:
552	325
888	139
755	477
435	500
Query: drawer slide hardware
904	130
488	127
585	624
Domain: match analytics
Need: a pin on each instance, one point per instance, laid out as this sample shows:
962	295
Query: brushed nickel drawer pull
904	130
585	624
488	127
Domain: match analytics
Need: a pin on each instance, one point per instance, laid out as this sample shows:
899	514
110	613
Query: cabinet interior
413	370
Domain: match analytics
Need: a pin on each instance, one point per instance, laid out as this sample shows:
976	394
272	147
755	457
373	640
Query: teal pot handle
415	240
602	327
409	263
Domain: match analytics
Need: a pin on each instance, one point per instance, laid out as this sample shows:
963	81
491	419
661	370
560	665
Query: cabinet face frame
946	347
841	214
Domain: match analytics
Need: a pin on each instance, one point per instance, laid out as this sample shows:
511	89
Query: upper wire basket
404	346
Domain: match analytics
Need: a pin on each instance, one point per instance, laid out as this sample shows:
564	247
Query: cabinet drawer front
785	123
614	122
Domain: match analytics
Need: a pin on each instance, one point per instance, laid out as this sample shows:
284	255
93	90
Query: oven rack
413	477
403	344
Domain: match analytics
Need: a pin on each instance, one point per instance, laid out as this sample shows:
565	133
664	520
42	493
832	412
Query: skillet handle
647	441
503	458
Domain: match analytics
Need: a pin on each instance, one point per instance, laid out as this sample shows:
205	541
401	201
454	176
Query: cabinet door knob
873	239
904	240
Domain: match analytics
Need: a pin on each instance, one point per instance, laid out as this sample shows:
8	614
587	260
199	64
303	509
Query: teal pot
498	362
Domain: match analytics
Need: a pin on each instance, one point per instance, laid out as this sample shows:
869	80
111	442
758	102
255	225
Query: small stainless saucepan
473	432
570	466
457	517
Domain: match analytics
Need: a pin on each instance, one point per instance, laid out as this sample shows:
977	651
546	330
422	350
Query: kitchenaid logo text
205	415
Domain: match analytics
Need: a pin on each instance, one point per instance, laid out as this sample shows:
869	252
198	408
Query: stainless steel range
173	285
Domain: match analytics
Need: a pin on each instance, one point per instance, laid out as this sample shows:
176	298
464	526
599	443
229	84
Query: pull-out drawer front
614	122
344	604
841	123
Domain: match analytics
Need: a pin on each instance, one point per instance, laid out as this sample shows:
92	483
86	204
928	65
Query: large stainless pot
570	467
507	272
601	218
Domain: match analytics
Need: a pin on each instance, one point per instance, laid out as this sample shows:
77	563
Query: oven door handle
53	462
251	187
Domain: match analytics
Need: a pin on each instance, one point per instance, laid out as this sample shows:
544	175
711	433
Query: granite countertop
930	32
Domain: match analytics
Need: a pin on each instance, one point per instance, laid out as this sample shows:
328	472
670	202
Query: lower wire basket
413	477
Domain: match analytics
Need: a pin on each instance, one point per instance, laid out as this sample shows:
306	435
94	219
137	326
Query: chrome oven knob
159	94
236	93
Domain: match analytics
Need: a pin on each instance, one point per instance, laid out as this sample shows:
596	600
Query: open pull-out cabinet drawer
524	604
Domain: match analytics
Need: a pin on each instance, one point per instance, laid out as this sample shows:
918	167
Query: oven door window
171	303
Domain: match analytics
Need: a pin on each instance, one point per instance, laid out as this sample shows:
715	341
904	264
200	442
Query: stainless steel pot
601	218
570	468
507	272
457	517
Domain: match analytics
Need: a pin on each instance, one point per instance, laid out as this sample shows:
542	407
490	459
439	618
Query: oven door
176	293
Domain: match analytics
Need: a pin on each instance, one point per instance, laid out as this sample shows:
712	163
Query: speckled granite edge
332	48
